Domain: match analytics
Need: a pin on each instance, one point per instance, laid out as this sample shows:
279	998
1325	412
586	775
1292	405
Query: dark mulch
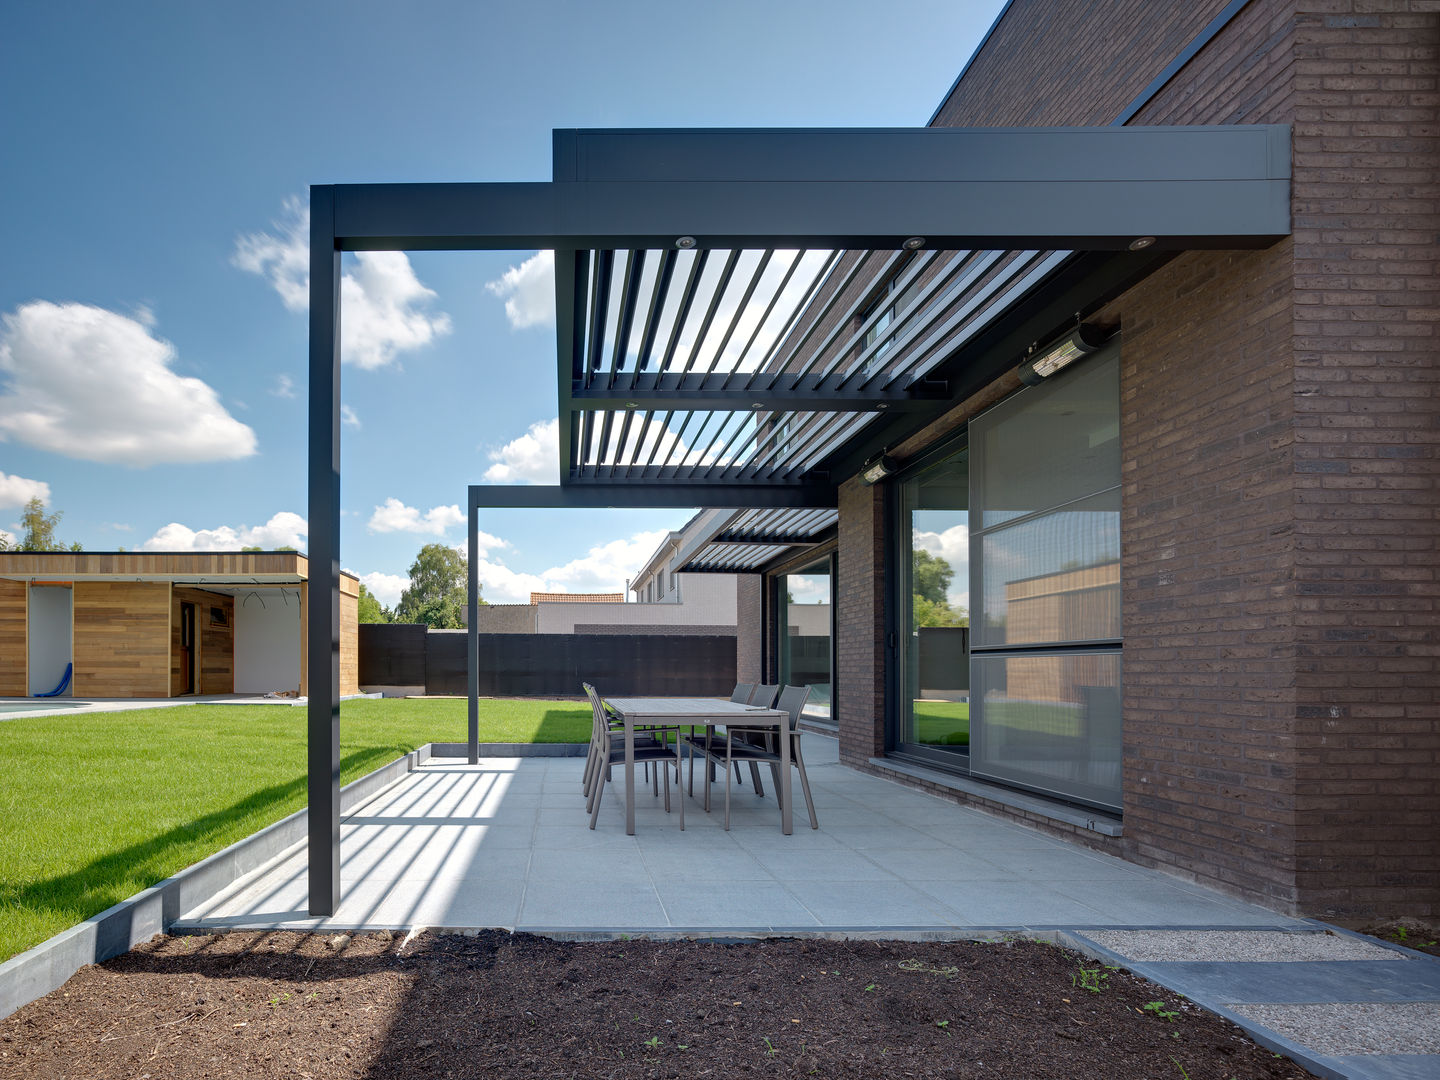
294	1005
1414	934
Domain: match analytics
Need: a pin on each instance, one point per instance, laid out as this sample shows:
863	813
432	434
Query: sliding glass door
804	608
933	606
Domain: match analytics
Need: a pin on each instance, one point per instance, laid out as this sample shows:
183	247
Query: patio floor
505	843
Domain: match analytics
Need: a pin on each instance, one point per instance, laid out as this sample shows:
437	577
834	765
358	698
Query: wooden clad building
156	624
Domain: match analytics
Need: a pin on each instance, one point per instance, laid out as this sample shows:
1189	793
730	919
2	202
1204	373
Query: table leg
782	731
629	776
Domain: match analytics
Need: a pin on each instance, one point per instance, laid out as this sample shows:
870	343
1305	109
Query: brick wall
1279	428
749	629
1366	428
860	649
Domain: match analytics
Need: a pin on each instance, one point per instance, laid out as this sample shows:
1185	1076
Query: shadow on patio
505	844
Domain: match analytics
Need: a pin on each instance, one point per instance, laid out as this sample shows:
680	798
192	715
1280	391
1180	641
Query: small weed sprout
1093	979
1158	1008
652	1043
769	1046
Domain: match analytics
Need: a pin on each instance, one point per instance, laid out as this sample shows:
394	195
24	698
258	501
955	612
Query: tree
436	596
371	610
40	529
932	576
931	613
930	584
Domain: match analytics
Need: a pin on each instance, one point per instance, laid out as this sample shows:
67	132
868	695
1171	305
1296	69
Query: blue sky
154	175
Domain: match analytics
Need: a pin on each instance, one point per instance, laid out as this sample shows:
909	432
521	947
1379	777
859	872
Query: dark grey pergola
673	248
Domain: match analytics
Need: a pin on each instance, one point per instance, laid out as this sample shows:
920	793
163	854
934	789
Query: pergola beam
1092	189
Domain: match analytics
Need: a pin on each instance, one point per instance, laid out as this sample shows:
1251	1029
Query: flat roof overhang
1019	232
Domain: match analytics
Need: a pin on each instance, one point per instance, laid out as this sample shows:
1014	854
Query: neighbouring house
1105	404
666	601
162	625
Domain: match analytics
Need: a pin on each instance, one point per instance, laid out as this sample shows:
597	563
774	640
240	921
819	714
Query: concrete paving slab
1384	1066
1242	983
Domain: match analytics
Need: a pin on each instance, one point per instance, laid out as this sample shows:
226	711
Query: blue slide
64	682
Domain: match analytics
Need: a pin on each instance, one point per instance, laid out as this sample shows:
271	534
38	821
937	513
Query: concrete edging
37	971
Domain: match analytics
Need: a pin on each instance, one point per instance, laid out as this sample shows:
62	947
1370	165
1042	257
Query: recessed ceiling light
915	243
1140	243
632	404
685	243
757	405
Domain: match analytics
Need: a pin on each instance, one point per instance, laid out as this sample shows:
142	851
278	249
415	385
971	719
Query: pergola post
323	607
472	634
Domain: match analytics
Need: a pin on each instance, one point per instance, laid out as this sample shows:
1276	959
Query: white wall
705	600
51	617
267	641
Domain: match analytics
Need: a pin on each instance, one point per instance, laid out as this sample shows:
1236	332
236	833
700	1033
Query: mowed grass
942	723
97	806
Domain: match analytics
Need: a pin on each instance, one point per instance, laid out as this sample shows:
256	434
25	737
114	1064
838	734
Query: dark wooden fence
944	656
548	665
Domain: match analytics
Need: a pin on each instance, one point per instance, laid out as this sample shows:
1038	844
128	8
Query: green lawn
942	723
96	807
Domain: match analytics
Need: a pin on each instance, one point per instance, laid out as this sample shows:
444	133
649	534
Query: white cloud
284	387
533	458
528	291
381	305
395	516
347	416
501	585
382	301
386	587
952	545
90	384
17	491
283	259
283	530
604	568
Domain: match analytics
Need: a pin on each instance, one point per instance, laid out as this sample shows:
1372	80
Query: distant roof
577	597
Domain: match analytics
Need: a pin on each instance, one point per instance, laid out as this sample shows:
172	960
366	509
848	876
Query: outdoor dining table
698	712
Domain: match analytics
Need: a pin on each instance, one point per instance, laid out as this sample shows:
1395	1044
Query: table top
694	708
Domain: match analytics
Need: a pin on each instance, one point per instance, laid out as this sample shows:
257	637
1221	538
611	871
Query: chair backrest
792	700
598	726
742	692
764	696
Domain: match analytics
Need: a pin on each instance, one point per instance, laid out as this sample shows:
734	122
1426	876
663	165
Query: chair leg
664	766
775	779
595	797
754	778
727	786
805	785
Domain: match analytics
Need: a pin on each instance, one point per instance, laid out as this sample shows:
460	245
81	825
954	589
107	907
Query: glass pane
1051	722
1054	578
935	599
805	607
1051	444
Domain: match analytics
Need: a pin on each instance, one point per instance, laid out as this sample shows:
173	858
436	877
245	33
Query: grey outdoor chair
607	750
792	700
743	694
614	721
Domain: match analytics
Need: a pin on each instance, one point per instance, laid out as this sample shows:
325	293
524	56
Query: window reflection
804	639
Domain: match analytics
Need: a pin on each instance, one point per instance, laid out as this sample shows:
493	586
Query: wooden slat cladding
215	662
122	639
66	564
349	642
13	648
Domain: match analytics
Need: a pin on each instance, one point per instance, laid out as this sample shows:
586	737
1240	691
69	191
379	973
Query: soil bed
501	1006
